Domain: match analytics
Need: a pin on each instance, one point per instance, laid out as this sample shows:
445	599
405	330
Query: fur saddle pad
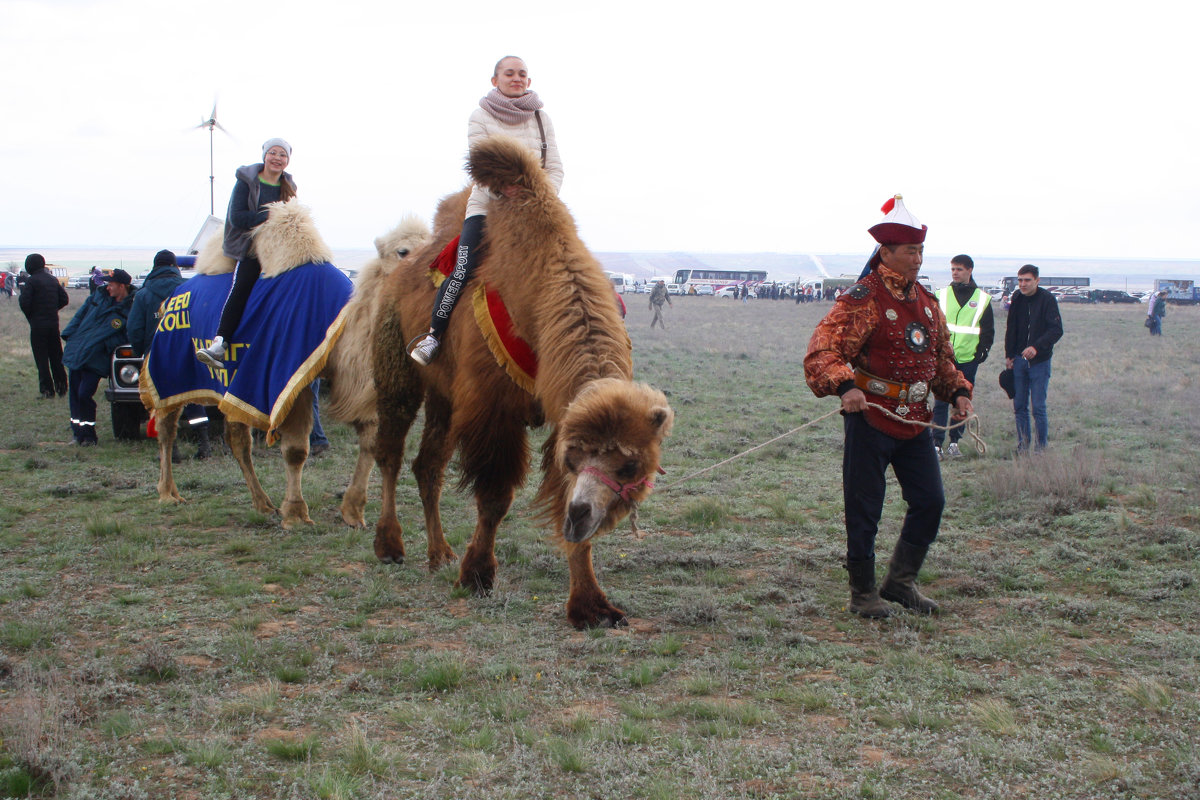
291	323
512	353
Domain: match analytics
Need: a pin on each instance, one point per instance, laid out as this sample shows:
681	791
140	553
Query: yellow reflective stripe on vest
963	338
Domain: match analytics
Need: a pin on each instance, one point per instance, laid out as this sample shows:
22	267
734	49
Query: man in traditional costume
885	345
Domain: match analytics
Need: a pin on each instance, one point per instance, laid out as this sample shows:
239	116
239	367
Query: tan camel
604	445
289	238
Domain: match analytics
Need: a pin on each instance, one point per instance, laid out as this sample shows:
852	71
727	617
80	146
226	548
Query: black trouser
83	404
941	411
451	288
47	356
244	276
865	459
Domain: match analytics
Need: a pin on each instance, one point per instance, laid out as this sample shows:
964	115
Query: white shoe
938	450
213	355
425	350
952	450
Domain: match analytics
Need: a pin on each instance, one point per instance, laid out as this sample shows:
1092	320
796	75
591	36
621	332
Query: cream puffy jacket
482	124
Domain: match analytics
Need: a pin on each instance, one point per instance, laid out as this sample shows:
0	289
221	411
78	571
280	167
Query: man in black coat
41	298
1034	325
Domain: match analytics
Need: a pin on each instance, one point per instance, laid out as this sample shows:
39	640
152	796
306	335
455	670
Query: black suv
1112	296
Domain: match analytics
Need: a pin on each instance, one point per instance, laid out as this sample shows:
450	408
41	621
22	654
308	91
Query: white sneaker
425	350
952	451
938	450
213	355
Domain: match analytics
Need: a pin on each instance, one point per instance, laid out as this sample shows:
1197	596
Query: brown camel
289	238
604	445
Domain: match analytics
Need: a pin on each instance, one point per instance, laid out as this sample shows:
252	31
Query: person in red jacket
885	343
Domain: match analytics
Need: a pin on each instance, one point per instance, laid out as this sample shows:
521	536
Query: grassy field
199	651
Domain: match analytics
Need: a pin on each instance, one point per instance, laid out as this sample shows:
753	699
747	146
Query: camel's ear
661	417
381	247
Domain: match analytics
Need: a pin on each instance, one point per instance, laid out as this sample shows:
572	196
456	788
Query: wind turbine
211	123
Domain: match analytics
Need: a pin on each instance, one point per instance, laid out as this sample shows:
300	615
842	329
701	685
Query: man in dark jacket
41	298
968	312
1034	325
160	284
92	334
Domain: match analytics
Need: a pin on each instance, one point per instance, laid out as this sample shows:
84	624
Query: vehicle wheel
127	421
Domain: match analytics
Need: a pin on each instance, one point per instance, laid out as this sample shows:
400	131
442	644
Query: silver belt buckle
918	391
877	387
902	409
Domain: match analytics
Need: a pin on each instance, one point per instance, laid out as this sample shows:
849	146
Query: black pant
867	454
47	356
451	288
83	404
941	411
244	276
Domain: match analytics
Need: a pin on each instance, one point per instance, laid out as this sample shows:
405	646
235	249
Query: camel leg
293	444
495	463
429	467
587	605
400	394
354	499
168	430
237	434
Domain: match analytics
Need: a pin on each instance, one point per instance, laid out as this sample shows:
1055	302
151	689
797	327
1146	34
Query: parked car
704	289
730	291
674	288
79	281
128	413
1112	296
140	279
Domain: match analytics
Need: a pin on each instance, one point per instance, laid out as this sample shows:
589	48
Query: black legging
451	288
244	276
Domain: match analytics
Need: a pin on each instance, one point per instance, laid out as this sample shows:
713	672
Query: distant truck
1179	292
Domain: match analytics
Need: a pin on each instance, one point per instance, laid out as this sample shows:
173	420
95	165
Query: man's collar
896	283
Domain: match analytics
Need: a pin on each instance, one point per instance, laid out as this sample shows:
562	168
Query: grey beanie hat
269	143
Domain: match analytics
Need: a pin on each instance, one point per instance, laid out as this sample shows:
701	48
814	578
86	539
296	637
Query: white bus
718	279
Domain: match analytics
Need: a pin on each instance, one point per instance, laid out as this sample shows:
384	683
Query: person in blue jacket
143	322
93	333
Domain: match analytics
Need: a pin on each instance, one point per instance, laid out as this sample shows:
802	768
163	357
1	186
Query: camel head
606	452
392	248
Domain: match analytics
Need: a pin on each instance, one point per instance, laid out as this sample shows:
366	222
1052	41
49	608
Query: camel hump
498	162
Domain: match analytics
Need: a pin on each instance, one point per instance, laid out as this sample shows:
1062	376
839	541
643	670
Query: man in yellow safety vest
968	311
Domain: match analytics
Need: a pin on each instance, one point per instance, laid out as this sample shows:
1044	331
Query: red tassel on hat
887	207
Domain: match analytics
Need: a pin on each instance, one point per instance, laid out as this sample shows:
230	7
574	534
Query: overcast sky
1033	129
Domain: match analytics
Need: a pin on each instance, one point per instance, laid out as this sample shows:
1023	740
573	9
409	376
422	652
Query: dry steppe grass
199	651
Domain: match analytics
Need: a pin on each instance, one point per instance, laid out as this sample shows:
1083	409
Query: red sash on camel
512	353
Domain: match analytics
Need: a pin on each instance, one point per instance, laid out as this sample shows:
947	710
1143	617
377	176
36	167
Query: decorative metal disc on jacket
916	336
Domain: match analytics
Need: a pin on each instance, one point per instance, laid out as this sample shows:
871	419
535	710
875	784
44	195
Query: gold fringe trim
492	336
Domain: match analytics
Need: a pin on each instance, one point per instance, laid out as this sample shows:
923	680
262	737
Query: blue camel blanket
290	325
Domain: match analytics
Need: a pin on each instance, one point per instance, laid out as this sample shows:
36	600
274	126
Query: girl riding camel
255	187
513	110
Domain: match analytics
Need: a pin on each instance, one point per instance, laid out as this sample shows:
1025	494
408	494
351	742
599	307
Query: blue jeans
317	435
1030	383
941	411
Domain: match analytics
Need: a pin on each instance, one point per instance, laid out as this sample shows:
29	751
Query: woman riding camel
255	187
513	110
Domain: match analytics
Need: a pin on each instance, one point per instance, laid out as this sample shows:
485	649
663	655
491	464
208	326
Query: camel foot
170	497
595	612
477	577
353	521
389	542
441	556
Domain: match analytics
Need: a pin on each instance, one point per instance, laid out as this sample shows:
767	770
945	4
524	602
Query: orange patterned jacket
837	344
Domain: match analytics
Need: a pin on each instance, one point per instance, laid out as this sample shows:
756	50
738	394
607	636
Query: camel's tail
499	162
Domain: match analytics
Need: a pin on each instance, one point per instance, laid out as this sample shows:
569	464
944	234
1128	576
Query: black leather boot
864	598
900	583
204	449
